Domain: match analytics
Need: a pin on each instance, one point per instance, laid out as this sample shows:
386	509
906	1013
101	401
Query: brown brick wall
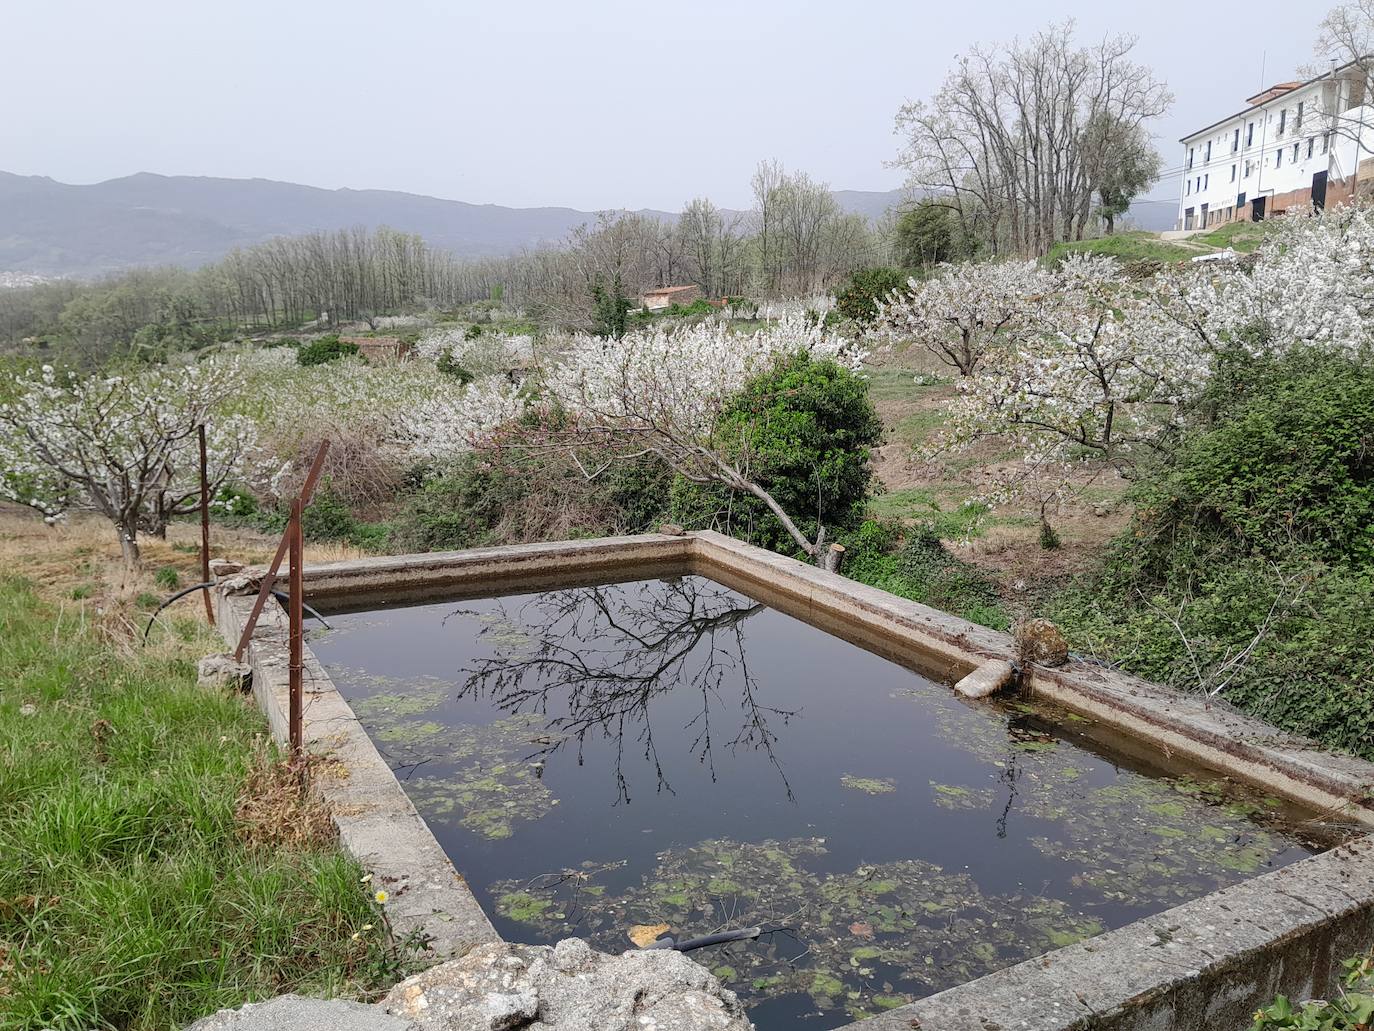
1338	192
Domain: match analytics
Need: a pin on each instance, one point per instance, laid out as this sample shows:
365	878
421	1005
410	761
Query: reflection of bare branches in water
604	653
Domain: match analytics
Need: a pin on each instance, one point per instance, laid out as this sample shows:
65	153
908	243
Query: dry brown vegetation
79	559
922	481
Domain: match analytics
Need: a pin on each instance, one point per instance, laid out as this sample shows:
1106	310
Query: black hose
709	939
281	596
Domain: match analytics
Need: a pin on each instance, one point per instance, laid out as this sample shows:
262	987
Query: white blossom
482	355
1095	372
457	421
963	310
122	445
677	377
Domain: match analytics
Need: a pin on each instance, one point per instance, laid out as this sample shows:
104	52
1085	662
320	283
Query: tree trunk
128	547
831	558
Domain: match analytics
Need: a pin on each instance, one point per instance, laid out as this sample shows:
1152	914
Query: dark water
672	752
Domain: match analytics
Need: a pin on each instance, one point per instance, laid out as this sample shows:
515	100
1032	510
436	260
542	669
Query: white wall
1209	181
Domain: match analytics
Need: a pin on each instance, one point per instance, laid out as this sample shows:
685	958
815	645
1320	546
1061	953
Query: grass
132	895
1240	236
1126	246
893	383
919	428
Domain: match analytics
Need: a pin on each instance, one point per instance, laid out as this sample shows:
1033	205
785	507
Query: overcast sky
586	103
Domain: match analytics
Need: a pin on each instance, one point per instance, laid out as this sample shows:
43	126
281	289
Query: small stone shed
665	296
376	350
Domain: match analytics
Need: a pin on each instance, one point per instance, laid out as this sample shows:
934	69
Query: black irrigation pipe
710	939
281	596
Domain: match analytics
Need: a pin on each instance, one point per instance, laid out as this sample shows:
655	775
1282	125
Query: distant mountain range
48	228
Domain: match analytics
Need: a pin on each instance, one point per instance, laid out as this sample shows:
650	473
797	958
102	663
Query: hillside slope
57	229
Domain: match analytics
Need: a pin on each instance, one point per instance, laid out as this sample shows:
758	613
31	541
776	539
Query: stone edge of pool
1205	964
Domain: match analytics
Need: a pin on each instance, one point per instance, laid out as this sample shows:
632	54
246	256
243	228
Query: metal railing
292	545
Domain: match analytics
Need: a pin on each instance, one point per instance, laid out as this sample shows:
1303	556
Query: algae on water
869	785
867	939
477	775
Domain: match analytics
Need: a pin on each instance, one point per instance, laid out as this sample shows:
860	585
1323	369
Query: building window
1208	156
1187	187
1326	142
1250	134
1295	152
1206	179
1311	142
1278	157
1283	120
1235	141
1297	122
1233	173
1190	157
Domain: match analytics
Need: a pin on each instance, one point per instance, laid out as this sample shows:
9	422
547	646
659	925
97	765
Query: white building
1297	144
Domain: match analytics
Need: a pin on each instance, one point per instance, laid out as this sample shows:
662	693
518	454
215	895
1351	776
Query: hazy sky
588	103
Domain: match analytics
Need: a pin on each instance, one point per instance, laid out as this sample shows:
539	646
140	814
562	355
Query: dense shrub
929	234
324	349
361	469
1281	463
1248	569
803	431
327	517
911	562
513	499
858	299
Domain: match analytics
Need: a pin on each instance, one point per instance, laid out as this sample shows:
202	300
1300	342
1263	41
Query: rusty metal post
205	526
265	590
296	621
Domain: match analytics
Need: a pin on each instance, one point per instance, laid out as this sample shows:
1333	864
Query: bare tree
1014	134
1345	42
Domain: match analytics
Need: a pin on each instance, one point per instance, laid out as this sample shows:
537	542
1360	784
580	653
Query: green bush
913	563
928	234
327	518
1249	565
858	299
803	429
324	349
449	367
233	501
486	500
1282	463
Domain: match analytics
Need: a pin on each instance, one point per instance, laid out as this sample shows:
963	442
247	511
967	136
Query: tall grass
129	896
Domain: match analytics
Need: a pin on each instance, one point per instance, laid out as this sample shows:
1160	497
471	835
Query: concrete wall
1203	966
376	822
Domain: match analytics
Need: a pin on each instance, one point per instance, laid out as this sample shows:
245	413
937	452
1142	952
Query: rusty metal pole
205	526
296	621
265	591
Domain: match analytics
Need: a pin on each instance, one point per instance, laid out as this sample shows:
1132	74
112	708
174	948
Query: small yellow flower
365	878
367	927
381	896
357	936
